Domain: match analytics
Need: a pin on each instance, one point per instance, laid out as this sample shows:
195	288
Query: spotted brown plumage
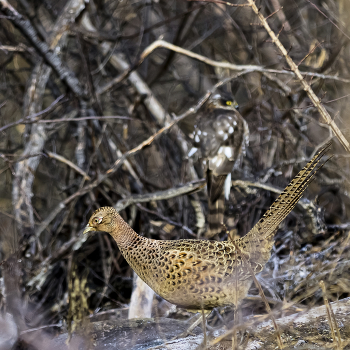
220	136
196	274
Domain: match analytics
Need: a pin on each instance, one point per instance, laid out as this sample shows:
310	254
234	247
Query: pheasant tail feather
287	200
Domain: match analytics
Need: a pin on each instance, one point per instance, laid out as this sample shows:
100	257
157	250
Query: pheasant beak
88	228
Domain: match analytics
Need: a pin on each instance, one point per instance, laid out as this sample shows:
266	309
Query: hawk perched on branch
220	135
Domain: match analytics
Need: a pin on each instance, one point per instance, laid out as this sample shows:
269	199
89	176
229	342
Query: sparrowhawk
220	135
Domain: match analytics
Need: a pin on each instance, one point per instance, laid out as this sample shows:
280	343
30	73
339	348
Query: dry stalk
331	318
342	248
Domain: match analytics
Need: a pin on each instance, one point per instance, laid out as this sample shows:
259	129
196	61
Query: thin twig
69	163
167	219
41	327
34	117
220	2
323	14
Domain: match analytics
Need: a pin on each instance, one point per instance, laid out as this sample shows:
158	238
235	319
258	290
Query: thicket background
61	69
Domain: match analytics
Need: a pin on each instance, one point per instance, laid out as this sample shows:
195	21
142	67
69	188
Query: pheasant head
104	219
107	219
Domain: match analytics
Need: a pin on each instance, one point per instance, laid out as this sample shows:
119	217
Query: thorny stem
315	100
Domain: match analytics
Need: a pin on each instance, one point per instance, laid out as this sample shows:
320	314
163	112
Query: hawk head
222	101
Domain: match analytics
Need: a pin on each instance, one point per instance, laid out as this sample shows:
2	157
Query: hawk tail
216	203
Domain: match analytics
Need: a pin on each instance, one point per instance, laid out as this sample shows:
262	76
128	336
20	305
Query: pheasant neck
125	237
132	246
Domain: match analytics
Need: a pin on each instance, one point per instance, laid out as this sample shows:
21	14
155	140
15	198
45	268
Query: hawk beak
88	228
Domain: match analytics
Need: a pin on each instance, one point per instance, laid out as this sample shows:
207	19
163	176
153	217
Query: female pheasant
200	274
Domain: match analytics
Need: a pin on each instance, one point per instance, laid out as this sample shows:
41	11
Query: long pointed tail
287	200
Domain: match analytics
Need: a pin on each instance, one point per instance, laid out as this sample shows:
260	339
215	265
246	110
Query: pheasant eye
97	220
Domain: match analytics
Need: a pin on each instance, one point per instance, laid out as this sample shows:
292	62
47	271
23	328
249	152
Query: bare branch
160	195
225	65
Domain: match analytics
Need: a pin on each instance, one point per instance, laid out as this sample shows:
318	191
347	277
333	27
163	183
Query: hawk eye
229	103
